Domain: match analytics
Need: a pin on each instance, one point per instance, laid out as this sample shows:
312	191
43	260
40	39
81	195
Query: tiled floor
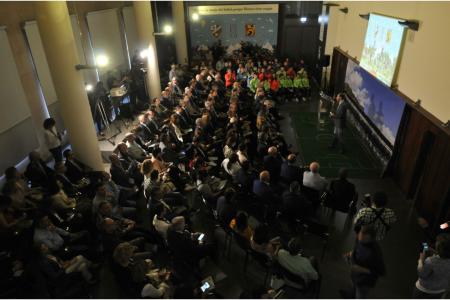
400	248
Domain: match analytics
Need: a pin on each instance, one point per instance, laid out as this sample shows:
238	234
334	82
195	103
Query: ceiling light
143	53
102	60
168	29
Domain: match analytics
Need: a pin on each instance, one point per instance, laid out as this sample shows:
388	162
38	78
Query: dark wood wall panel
433	189
337	72
435	184
403	171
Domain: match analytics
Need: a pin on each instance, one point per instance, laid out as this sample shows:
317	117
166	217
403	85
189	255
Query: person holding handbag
53	139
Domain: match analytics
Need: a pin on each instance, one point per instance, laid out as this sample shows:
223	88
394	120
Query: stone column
57	38
180	31
144	23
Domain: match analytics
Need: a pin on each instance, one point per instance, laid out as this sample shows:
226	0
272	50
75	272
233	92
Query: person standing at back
377	215
366	263
53	139
343	193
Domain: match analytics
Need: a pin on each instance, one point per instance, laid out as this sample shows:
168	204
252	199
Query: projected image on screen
384	38
378	102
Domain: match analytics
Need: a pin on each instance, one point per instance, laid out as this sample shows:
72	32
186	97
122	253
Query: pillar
144	23
57	38
180	31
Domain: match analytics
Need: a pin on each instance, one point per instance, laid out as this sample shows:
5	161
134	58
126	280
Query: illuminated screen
379	103
384	39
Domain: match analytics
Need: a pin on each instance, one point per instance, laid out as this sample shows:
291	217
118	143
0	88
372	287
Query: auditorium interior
224	149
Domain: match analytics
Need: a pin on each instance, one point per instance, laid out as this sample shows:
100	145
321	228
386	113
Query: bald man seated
272	163
263	189
312	178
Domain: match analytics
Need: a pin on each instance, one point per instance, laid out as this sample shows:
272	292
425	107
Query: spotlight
144	53
102	60
168	29
303	19
411	24
322	19
195	17
365	17
89	87
344	10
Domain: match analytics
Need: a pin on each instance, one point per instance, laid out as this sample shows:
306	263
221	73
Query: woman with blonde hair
260	122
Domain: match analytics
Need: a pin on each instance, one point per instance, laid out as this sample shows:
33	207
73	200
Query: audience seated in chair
292	261
312	178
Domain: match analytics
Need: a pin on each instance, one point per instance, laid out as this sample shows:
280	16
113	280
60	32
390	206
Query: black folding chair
312	195
244	244
264	261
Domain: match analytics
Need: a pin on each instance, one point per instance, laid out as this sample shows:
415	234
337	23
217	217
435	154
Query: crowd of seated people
217	141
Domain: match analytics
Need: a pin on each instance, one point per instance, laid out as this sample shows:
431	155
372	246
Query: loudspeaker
325	61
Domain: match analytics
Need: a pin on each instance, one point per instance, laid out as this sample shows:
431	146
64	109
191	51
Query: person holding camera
433	270
377	215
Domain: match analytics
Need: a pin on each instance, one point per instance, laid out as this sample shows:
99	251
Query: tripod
99	108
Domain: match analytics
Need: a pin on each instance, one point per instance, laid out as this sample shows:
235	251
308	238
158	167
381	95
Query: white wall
130	29
40	61
17	135
77	36
106	39
423	68
13	102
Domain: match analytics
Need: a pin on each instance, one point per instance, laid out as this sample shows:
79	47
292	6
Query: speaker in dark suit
338	114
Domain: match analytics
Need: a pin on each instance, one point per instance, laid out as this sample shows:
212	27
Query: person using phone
184	245
433	269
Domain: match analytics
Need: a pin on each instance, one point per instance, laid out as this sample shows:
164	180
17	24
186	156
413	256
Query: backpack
378	216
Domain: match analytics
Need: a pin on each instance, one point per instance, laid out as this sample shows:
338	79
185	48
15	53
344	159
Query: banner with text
232	24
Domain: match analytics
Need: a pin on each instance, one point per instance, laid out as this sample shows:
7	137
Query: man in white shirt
293	261
312	178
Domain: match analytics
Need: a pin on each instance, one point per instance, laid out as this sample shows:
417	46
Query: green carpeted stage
315	136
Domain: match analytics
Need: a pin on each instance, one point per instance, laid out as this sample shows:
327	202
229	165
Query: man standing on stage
338	114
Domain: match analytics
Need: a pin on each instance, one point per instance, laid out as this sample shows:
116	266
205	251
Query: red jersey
230	78
275	85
